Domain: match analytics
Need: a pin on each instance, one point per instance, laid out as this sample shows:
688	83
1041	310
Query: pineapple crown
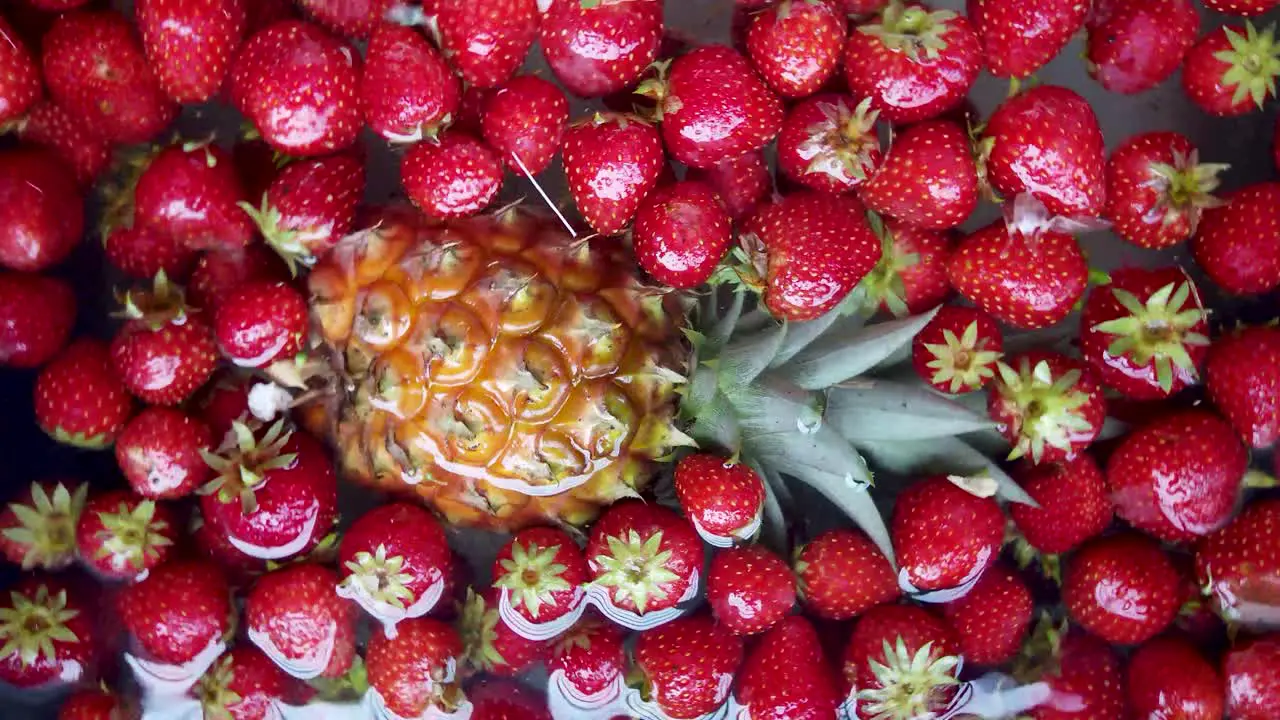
243	461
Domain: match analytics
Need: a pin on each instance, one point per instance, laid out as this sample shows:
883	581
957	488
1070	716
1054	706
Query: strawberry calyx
33	624
845	144
655	88
1184	188
1159	330
46	527
911	685
243	462
532	576
884	283
1042	650
962	363
163	304
214	690
382	577
289	243
350	687
479	628
1047	406
635	569
132	534
1026	555
912	30
746	266
1254	63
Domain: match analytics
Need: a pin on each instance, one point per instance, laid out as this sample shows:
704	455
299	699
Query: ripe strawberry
506	700
749	589
542	570
407	91
721	498
742	182
492	647
37	528
142	252
1168	677
192	192
160	451
830	143
297	84
1074	504
1122	588
1232	70
525	120
20	80
1028	280
1049	407
644	556
992	619
41	210
958	350
713	107
681	233
454	177
243	684
1085	674
1243	379
796	45
928	179
612	163
841	574
1252	687
1238	565
49	633
259	323
590	656
176	612
1241	7
310	205
786	677
189	43
94	66
74	142
486	40
122	536
56	5
1157	189
685	664
902	662
264	13
911	277
1135	45
471	110
212	544
1018	38
98	703
163	353
355	18
391	559
597	49
36	317
415	670
293	615
218	273
1238	245
943	534
79	400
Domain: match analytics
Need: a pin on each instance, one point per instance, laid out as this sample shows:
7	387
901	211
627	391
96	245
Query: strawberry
218	273
1157	189
829	143
958	350
163	353
122	536
742	182
943	534
1252	689
1018	38
37	528
542	571
142	252
492	647
224	400
414	671
471	107
454	177
859	8
1046	142
20	87
1084	680
1073	504
713	107
721	498
1168	677
612	162
97	703
48	633
1122	588
75	143
1145	333
597	49
309	206
841	574
1232	70
749	589
506	700
992	619
1241	7
681	233
643	556
36	317
213	544
525	120
1243	378
192	192
79	400
685	663
94	67
1048	406
486	40
297	84
1135	45
902	662
785	676
355	18
928	179
1238	245
259	323
589	655
293	615
796	45
189	43
407	91
1237	565
41	210
265	13
243	684
177	611
911	277
56	5
1028	280
160	451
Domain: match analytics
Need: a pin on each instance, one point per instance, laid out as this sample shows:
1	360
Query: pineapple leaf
855	502
716	426
726	320
871	409
942	455
743	359
774	531
801	334
817	456
837	357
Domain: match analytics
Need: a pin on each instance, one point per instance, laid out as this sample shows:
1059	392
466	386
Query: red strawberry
73	141
1244	382
94	67
218	273
681	233
1168	677
122	536
590	656
48	631
749	589
1178	477
644	556
41	210
259	323
1232	70
243	684
796	45
56	5
1241	7
294	616
1238	566
742	182
225	400
264	13
20	80
471	110
36	316
841	574
486	40
721	498
1252	687
685	664
992	619
97	703
714	107
415	670
142	252
159	453
1084	680
911	277
454	177
785	676
1048	406
163	353
79	401
612	162
1046	142
192	192
1018	38
506	700
829	143
928	179
1122	588
1028	280
297	84
1238	245
492	647
542	571
37	528
525	121
407	91
1074	504
858	8
1137	44
902	662
181	608
958	350
357	18
597	49
213	544
309	206
1157	189
189	43
943	534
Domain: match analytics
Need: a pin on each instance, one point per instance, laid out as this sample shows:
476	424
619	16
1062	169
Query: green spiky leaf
871	409
744	359
836	357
